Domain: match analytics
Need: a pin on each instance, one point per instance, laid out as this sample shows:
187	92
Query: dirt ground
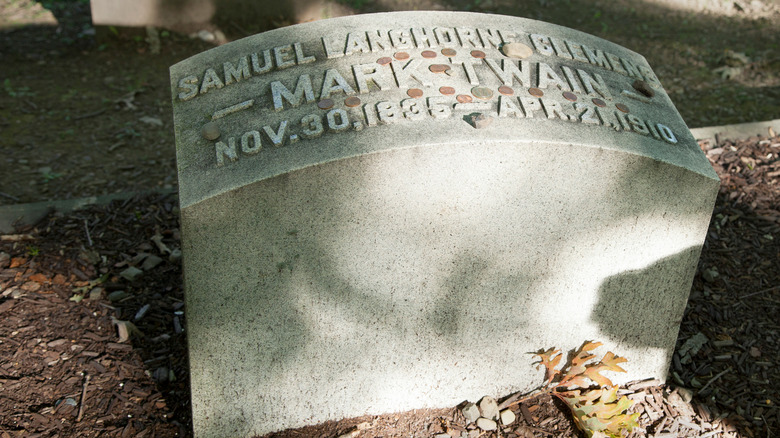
83	116
86	352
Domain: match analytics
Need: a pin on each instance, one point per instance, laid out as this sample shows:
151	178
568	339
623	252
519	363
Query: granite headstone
390	211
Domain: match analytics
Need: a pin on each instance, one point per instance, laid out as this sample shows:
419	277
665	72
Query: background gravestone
389	211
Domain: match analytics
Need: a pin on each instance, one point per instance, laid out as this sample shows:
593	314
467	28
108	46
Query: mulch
87	352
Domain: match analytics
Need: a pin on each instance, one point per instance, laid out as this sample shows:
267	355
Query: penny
598	102
506	91
325	104
428	54
535	92
352	101
463	98
401	56
621	107
482	93
478	54
384	60
448	52
447	91
569	96
438	68
415	92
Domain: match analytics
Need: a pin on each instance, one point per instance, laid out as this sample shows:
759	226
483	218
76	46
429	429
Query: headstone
387	212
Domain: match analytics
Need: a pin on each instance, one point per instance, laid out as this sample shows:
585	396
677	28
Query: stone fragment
131	273
471	412
175	256
488	408
486	424
150	262
507	417
5	259
481	121
517	50
117	295
96	293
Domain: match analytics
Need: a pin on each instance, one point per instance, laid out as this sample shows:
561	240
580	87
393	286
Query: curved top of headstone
317	92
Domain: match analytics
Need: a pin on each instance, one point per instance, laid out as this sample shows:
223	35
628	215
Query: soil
86	352
82	115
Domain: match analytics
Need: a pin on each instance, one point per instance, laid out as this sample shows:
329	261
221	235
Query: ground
82	116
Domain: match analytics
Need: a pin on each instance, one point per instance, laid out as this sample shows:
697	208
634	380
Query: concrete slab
378	211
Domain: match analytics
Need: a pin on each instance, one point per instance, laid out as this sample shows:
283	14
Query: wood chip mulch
66	369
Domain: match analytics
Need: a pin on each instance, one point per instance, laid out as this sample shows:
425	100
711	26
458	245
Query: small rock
709	275
210	131
755	352
485	424
150	262
481	121
206	36
131	273
517	50
151	121
507	417
118	295
142	312
5	260
175	256
96	293
442	435
488	407
471	412
160	375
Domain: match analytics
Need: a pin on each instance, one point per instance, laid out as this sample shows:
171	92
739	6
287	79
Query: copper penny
352	101
478	54
483	93
506	91
428	54
569	96
447	91
401	56
438	68
463	98
384	60
415	92
535	92
325	104
448	52
598	102
621	107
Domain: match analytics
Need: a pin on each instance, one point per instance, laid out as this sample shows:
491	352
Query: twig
717	376
88	115
86	228
16	237
760	292
83	398
6	195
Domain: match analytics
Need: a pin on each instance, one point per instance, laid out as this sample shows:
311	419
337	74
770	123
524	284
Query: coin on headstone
428	54
439	68
401	56
598	102
517	50
325	104
482	93
384	60
448	52
535	92
447	91
621	107
568	95
506	91
478	54
352	101
463	98
415	92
